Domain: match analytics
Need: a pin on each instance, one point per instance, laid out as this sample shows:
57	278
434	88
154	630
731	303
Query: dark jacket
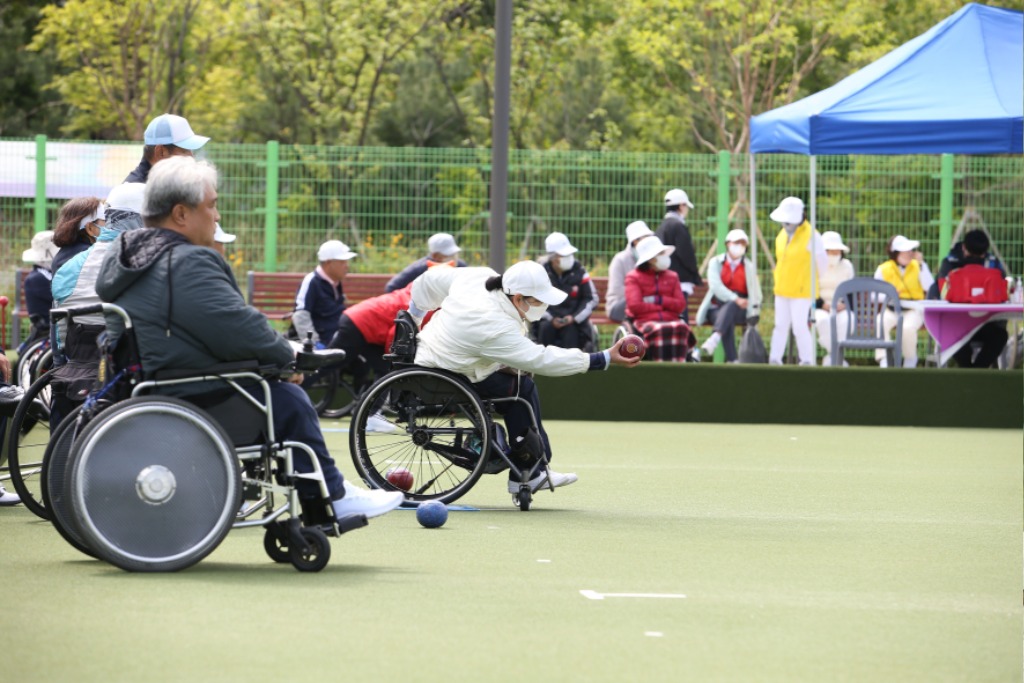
141	172
955	259
185	304
65	254
38	300
577	284
411	272
673	231
318	307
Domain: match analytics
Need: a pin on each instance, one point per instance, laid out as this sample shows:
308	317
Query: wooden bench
274	293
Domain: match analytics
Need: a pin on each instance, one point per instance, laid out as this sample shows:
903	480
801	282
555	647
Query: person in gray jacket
188	312
734	295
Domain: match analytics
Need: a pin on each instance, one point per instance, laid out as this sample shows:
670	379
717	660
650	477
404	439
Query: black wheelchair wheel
345	397
523	498
428	422
321	387
158	503
25	370
275	542
28	434
315	555
56	487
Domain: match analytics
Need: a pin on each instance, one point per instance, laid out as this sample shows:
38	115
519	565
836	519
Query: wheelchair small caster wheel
523	498
275	542
315	555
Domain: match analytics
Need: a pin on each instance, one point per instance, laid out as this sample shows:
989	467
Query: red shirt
735	280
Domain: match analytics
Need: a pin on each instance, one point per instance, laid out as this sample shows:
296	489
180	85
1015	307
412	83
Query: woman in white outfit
794	293
839	270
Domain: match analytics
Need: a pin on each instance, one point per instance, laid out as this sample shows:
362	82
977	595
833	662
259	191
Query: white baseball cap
648	248
901	243
636	230
677	197
43	249
168	129
126	197
737	235
223	237
530	279
789	210
442	243
333	250
831	241
558	243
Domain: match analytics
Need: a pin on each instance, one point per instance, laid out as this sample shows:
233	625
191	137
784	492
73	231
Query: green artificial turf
805	554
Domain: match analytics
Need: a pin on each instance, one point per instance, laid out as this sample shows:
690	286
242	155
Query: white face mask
566	262
737	250
533	313
834	259
662	262
790	227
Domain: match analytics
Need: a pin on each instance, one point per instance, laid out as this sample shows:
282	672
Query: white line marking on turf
594	595
544	561
653	634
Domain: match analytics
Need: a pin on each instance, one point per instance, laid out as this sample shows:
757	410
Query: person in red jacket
971	283
654	302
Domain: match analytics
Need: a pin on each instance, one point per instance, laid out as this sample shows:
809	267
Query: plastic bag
752	347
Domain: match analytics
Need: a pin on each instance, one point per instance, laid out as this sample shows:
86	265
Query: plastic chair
866	298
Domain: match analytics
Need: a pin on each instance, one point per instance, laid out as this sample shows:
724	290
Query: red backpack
974	284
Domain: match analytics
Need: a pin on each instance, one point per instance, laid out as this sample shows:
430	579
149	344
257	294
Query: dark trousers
363	357
992	337
568	337
724	320
516	415
295	419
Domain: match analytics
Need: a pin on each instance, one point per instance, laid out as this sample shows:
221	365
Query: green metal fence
282	201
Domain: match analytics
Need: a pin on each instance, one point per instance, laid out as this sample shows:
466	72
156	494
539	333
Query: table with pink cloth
952	325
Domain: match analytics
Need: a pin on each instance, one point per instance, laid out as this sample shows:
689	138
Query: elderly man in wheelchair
472	358
184	310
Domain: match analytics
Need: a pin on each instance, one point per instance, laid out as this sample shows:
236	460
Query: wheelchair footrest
351	523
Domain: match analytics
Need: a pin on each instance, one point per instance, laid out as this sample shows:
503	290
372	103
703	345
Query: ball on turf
400	478
633	346
432	514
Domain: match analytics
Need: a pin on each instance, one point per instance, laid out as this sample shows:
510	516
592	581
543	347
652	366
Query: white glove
687	288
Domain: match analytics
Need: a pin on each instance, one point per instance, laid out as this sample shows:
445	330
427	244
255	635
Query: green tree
25	107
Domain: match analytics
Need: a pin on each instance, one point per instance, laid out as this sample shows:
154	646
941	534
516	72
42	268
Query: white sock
712	343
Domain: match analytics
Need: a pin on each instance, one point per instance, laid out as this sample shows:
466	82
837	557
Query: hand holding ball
432	514
632	346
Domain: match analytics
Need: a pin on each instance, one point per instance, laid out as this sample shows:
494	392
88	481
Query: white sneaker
359	501
709	346
379	424
541	481
8	499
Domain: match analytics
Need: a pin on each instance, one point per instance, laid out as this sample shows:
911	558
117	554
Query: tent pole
814	246
753	215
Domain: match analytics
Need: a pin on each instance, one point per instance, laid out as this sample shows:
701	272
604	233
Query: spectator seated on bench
733	298
654	301
568	324
622	263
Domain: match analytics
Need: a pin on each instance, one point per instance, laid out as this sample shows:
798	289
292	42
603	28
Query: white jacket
476	332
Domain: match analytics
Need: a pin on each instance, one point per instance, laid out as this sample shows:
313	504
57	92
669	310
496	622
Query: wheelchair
153	482
433	424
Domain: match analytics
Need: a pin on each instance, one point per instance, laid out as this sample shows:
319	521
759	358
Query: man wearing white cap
567	324
166	135
839	270
479	330
734	295
622	263
320	298
673	232
794	292
441	248
907	271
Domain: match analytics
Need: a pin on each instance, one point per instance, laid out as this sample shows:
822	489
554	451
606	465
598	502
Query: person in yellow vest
793	292
909	274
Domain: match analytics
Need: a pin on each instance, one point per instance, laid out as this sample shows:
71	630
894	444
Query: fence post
722	211
945	207
39	208
270	219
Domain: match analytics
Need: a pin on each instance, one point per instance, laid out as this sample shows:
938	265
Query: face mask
566	262
737	250
790	227
834	259
662	262
632	252
533	313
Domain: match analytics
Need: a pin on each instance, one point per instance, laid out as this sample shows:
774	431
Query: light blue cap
168	129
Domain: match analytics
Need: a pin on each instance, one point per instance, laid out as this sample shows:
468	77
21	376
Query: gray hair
176	180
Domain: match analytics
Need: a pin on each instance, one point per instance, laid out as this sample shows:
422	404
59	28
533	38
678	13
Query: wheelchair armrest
219	369
310	361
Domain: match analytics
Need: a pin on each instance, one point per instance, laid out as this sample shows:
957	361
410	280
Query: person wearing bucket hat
38	299
567	324
654	301
674	232
441	248
78	225
479	330
838	270
621	264
733	298
795	245
906	270
320	299
166	136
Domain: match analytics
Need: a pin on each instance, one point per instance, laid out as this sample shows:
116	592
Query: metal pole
270	219
814	250
499	132
945	207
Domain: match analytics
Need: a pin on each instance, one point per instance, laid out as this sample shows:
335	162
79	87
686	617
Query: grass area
804	553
